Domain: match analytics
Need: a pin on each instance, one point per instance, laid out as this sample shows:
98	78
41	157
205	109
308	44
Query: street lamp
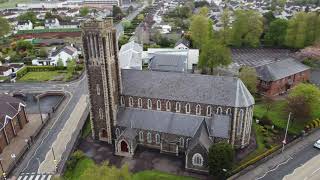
27	141
285	135
3	173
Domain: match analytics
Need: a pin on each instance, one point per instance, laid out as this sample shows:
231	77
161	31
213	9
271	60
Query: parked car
317	144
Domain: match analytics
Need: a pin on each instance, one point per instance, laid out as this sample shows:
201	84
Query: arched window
178	107
240	120
168	106
122	101
209	111
228	111
100	113
117	132
98	89
141	136
188	108
197	160
149	104
219	110
157	138
158	105
140	103
198	109
181	142
187	142
130	101
149	138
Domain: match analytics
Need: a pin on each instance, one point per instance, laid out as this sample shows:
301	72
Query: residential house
64	54
12	118
52	23
182	44
279	77
24	25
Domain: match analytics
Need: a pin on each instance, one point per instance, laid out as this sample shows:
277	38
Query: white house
130	56
65	53
52	23
182	44
165	29
24	25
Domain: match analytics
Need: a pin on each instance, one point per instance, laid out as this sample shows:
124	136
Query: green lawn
3	78
86	163
12	3
43	76
86	130
278	116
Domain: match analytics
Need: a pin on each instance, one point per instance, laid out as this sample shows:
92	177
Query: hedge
255	159
23	71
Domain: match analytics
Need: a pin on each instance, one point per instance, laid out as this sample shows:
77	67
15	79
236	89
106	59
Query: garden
80	167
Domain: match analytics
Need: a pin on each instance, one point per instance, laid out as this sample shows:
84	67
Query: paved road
297	160
284	163
308	171
44	142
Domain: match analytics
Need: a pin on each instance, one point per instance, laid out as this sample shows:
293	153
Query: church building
176	113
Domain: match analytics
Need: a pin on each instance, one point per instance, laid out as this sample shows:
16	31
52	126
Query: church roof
161	121
219	126
206	89
201	137
168	62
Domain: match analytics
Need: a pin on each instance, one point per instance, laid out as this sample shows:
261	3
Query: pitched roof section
219	126
166	122
201	137
280	69
67	49
184	42
216	90
168	62
9	107
130	56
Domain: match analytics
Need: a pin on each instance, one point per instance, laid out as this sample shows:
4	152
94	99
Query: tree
116	12
221	159
106	172
130	9
203	11
84	11
296	31
299	107
71	66
48	15
43	53
199	35
5	26
126	24
60	63
123	39
226	27
309	93
23	45
276	34
28	16
247	28
268	101
249	77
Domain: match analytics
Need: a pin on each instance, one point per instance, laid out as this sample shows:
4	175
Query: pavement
42	145
285	163
59	146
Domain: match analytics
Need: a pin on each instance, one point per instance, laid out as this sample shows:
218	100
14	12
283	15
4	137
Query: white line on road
275	168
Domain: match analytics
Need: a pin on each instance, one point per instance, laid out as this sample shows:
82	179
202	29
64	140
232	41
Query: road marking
56	119
275	168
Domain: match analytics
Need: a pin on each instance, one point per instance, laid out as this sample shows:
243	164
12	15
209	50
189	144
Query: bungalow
24	25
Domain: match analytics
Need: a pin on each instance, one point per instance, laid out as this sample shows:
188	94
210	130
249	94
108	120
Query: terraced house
176	113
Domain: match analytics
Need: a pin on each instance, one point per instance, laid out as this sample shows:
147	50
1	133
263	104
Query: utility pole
285	135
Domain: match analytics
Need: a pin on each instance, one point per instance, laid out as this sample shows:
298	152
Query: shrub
268	146
265	120
74	158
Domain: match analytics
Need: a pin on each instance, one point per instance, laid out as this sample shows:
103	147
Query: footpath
65	137
261	170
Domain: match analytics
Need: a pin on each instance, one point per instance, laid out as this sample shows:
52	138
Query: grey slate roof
129	133
183	41
9	106
217	90
201	138
280	69
166	122
219	126
168	62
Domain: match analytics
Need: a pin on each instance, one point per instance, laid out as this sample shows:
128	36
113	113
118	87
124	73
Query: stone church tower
101	61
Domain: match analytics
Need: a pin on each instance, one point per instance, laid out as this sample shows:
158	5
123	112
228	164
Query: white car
317	144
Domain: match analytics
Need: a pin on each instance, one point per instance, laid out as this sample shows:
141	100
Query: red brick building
12	119
278	77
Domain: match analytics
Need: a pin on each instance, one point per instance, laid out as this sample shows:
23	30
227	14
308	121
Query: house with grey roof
172	112
279	77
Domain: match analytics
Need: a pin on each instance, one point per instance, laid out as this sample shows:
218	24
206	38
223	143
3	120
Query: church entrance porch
124	147
126	143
